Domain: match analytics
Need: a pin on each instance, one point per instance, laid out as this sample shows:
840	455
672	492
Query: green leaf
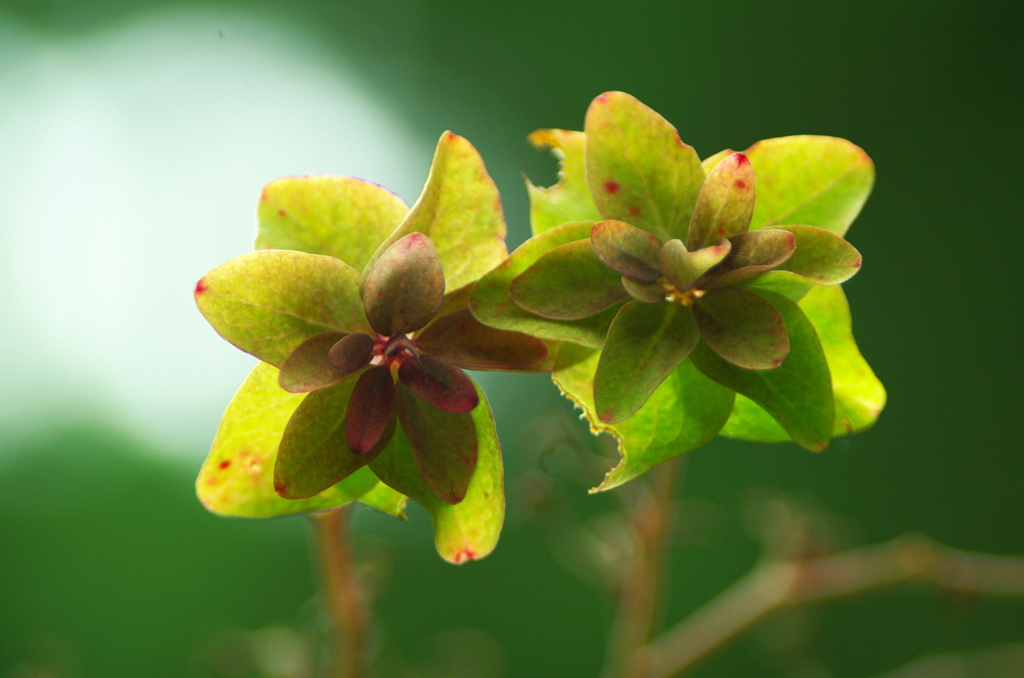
568	283
750	421
798	393
810	180
462	340
267	303
752	254
682	268
647	292
743	328
309	366
404	289
638	169
237	477
491	299
725	203
860	396
686	411
386	500
711	162
313	455
341	217
645	343
789	285
460	211
821	256
470	529
627	249
444	443
569	199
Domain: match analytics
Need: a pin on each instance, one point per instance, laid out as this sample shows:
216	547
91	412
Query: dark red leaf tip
611	186
201	286
464	555
742	159
224	464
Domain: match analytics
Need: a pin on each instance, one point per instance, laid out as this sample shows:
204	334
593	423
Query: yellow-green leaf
569	199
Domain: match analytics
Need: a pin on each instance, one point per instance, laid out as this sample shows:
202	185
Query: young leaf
405	287
352	352
627	249
645	343
786	283
460	211
468	530
752	254
341	217
743	328
491	299
569	199
462	340
385	500
267	303
568	283
440	383
683	268
860	396
638	169
370	410
821	255
685	412
798	393
309	367
648	292
811	180
711	162
725	203
313	455
444	444
237	478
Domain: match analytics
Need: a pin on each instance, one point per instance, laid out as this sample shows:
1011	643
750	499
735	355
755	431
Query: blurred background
134	139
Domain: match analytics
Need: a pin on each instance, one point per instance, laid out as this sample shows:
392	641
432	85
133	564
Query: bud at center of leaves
405	288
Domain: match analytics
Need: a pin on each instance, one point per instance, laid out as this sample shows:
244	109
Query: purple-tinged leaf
743	328
798	393
638	169
444	445
267	303
351	353
627	249
399	343
462	340
491	298
309	368
645	343
821	255
752	254
405	287
725	203
682	267
649	292
440	383
569	199
568	283
370	410
313	456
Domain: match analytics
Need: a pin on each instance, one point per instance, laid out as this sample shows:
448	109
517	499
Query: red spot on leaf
742	159
464	555
212	480
634	210
224	464
601	97
857	263
777	362
740	184
201	286
611	186
282	213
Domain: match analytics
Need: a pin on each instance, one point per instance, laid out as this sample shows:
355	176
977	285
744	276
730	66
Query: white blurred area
130	163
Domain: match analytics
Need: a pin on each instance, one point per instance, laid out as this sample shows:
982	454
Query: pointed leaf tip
370	410
821	255
405	287
683	268
725	204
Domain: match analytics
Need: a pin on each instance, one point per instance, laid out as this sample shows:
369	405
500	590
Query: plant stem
343	595
651	518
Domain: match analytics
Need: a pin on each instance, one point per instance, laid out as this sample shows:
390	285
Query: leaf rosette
694	298
361	393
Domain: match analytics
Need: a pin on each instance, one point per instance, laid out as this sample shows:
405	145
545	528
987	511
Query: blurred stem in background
343	597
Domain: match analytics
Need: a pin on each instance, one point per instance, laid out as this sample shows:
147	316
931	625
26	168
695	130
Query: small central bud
684	298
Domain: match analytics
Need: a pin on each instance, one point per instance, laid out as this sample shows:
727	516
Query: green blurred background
134	138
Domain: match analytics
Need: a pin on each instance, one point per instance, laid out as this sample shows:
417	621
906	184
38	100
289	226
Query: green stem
343	595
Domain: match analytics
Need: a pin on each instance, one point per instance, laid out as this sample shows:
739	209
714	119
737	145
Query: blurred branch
343	595
777	584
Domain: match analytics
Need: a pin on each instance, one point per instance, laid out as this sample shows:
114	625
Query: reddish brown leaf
308	367
370	410
352	352
462	340
440	383
405	287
